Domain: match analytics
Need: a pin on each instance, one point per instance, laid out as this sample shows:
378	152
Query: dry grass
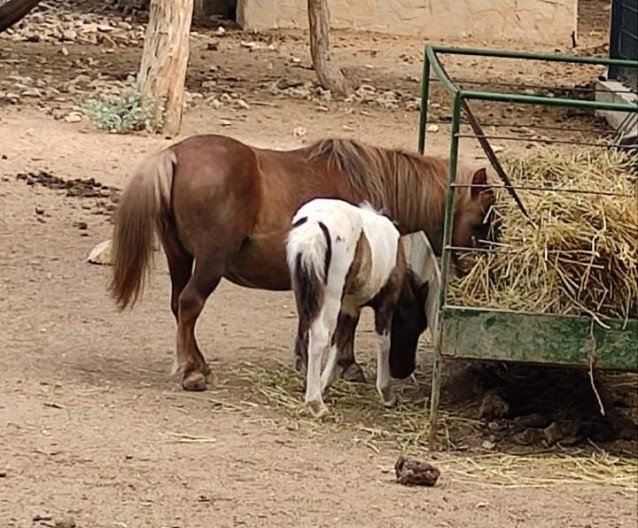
581	254
357	411
356	407
532	471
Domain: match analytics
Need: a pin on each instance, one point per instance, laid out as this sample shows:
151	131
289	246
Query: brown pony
222	209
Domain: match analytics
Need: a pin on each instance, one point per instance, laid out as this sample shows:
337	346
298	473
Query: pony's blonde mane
410	186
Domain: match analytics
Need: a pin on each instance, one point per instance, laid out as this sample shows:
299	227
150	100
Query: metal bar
446	121
548	101
548	57
547	140
491	156
533	85
448	227
440	72
548	189
425	94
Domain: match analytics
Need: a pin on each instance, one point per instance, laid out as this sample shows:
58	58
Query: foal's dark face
408	323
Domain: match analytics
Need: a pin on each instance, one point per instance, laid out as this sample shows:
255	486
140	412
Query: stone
73	117
101	254
432	128
494	406
535	420
299	132
65	523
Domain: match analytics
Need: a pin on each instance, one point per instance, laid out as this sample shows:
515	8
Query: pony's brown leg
191	362
349	369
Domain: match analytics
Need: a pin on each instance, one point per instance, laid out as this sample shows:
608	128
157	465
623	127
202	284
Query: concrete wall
534	21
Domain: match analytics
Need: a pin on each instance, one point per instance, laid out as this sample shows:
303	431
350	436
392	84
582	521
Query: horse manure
416	473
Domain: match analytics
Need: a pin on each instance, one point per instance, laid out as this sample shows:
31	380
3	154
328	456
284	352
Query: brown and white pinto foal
341	259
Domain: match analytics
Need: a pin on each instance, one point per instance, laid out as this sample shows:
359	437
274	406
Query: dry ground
91	425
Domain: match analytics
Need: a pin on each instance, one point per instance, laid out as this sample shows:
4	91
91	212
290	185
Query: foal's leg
321	331
190	361
318	342
342	338
349	369
382	324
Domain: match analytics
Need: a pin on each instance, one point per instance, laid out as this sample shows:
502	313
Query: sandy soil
94	429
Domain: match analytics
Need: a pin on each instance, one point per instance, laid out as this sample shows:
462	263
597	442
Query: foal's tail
143	208
309	252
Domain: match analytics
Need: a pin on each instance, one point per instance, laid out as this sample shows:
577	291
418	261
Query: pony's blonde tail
142	210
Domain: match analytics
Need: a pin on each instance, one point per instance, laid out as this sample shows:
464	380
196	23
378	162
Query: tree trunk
13	11
164	60
329	74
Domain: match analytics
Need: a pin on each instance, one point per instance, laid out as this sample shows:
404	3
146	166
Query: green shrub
122	113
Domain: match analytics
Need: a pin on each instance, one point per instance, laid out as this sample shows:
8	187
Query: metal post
445	267
425	94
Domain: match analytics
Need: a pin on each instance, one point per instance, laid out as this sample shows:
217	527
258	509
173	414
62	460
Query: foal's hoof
354	374
389	399
318	410
195	381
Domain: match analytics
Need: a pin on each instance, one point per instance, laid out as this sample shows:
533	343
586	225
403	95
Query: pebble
65	523
487	444
299	132
73	117
494	406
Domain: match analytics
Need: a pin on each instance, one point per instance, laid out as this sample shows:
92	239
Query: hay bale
581	254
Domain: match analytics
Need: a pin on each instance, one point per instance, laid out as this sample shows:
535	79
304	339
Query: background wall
534	21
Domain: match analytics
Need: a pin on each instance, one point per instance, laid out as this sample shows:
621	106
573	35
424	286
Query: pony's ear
479	179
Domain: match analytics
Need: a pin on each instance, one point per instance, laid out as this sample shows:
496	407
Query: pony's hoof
354	374
318	410
195	381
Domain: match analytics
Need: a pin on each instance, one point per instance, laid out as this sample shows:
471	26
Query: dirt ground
92	426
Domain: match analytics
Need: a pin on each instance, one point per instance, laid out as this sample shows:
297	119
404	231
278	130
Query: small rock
101	254
527	437
284	83
82	226
73	117
213	45
299	132
225	122
553	433
65	523
64	51
487	444
497	149
39	211
432	128
37	517
494	406
415	472
221	30
70	34
535	420
242	104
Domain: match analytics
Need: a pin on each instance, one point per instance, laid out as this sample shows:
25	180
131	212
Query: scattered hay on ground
579	257
531	471
356	409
